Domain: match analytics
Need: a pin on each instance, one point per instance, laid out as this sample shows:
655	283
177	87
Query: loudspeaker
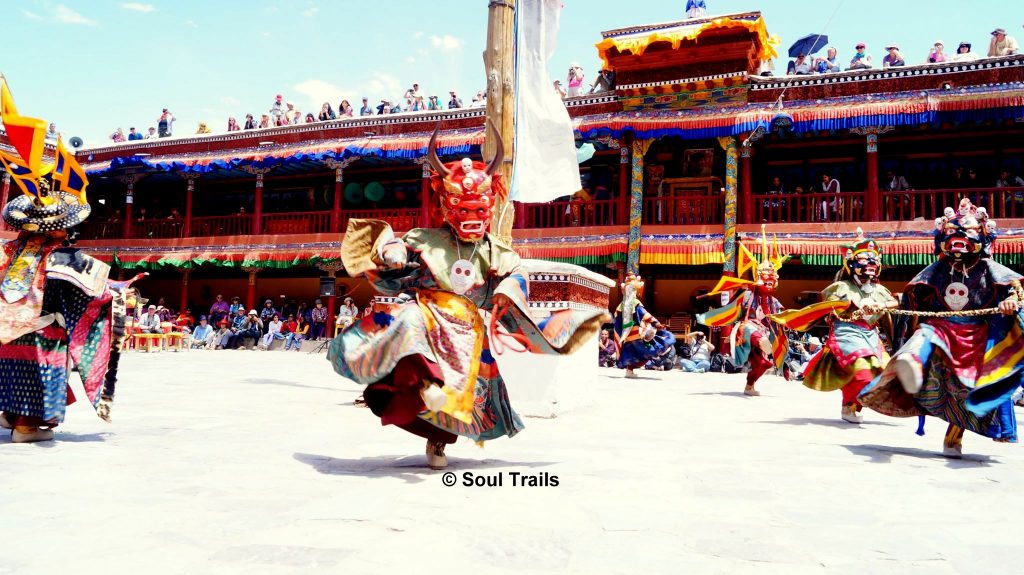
76	142
328	286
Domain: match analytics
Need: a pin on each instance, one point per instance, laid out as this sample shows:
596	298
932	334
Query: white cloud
137	7
191	24
69	16
31	15
417	35
410	59
308	12
316	92
265	34
447	43
229	101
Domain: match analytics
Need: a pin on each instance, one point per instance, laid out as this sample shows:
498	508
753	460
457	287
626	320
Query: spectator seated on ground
348	314
274	328
700	353
298	334
608	352
220	337
800	355
318	316
251	328
666	361
149	322
202	335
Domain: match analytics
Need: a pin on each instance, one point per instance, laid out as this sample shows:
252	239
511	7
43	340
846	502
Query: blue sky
92	66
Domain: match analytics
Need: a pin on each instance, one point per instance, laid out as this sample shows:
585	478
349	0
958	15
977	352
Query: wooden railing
235	225
929	204
101	230
297	223
401	220
817	207
573	214
158	229
687	210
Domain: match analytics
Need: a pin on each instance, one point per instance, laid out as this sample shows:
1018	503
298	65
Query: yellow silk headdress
746	262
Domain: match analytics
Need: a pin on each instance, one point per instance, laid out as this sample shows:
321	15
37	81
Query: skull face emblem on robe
956	296
461	276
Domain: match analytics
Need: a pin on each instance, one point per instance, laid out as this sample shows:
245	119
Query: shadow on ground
884	453
409	468
826	422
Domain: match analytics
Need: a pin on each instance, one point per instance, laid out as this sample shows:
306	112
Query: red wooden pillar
257	216
250	294
522	221
746	201
873	197
336	205
425	204
186	230
129	199
184	287
624	172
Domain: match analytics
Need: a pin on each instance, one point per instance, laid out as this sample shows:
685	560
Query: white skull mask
461	276
956	296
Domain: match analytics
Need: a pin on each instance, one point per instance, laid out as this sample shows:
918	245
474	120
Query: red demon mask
467	190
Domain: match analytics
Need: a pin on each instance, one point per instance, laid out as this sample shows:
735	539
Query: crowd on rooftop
1001	44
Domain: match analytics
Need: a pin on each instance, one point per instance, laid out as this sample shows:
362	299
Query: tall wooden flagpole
499	65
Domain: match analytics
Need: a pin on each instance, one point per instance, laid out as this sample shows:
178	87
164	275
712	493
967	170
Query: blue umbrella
808	45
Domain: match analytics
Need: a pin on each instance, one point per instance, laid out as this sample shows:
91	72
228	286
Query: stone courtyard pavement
257	462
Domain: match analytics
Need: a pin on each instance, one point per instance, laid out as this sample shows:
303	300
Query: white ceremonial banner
545	165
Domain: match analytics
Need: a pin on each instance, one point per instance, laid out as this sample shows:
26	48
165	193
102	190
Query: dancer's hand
1009	306
870	309
395	254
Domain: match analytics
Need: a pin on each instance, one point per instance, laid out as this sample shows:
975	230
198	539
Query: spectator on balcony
827	64
936	54
575	80
345	109
366	110
142	214
1009	181
896	183
241	211
165	124
605	81
964	54
118	136
1001	44
202	336
292	114
310	118
298	333
133	135
149	322
959	178
326	112
264	121
802	66
829	185
233	125
277	110
417	97
776	189
607	353
250	123
894	58
433	104
318	315
51	132
384	107
115	218
174	214
396	108
454	102
410	101
151	134
861	59
559	89
203	129
274	327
